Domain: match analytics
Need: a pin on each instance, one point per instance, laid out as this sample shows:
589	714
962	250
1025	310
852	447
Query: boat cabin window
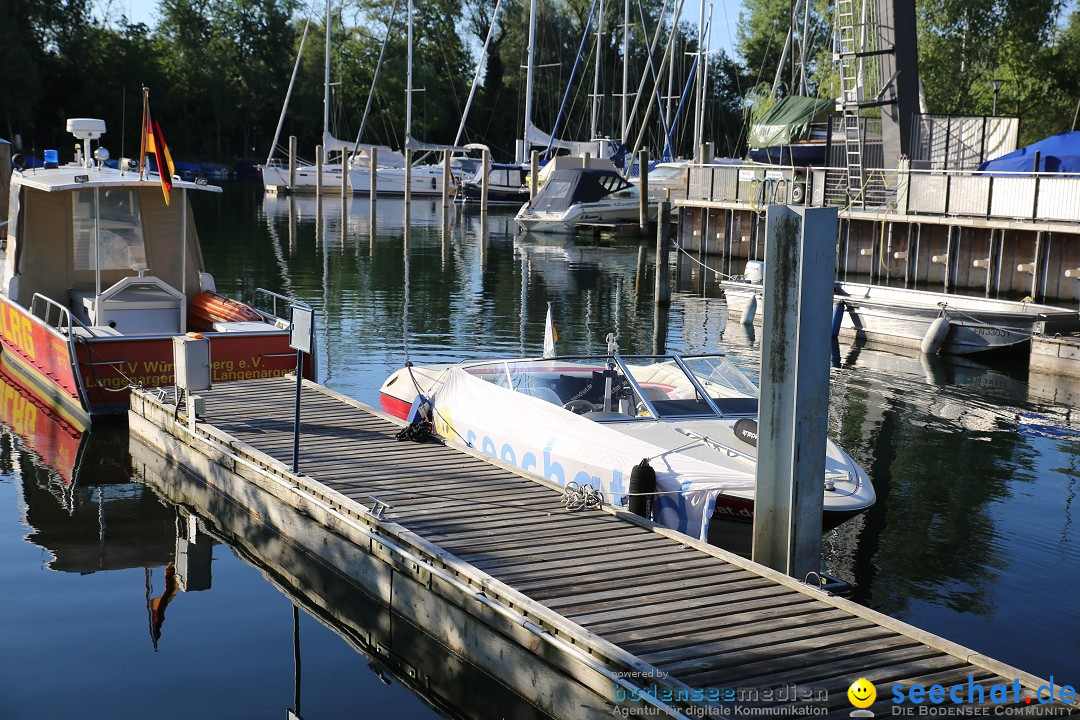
119	227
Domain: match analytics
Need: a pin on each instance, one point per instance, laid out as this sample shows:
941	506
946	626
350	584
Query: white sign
746	175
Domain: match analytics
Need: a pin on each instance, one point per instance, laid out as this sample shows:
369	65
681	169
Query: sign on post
300	339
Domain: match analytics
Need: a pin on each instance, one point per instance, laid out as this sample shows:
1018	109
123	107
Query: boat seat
542	393
652	392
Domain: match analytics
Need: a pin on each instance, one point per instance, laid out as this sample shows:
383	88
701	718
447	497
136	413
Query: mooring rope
581	497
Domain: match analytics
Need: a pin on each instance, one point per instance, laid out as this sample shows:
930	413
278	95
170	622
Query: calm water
976	469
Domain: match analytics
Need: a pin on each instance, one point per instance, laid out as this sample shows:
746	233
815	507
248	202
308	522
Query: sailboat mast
408	89
625	67
326	89
596	74
523	155
698	78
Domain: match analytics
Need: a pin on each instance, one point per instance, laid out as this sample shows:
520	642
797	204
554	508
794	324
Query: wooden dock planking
654	599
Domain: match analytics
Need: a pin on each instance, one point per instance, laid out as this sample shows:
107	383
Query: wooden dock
644	617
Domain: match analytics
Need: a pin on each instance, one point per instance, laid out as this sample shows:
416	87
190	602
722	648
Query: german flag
153	142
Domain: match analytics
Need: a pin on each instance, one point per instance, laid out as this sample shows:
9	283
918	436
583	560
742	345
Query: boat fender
746	430
750	311
642	487
419	428
838	316
935	336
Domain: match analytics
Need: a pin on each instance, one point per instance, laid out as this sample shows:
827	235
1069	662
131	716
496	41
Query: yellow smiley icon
862	693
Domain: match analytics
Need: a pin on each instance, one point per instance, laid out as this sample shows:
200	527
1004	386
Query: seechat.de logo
862	694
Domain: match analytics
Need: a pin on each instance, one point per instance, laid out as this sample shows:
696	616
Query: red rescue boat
100	273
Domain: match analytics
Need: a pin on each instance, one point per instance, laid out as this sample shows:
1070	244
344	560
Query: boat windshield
614	387
118	228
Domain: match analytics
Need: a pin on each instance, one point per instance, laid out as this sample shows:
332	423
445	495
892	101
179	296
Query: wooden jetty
645	618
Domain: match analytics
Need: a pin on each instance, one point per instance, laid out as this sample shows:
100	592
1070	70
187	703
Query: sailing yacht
308	176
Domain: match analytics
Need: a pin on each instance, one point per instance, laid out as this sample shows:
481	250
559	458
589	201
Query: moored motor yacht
591	420
576	196
99	272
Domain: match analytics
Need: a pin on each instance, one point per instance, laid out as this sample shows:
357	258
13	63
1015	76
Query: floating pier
630	616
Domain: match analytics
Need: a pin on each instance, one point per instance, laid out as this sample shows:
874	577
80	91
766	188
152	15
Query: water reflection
486	675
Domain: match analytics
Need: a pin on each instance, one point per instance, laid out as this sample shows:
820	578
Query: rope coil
581	497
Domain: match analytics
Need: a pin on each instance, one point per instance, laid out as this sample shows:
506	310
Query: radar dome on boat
86	128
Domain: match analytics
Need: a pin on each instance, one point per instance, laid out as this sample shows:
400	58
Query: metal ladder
847	53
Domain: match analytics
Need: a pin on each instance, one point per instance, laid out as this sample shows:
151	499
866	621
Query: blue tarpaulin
1057	154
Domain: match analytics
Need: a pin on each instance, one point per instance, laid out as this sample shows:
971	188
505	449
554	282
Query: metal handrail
64	319
272	298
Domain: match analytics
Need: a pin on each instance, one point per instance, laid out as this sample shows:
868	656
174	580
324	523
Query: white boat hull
901	317
276	179
602	212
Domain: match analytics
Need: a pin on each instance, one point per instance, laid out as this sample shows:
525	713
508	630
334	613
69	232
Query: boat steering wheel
579	407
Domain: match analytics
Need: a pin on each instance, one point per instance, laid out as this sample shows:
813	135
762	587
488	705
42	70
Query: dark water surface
976	468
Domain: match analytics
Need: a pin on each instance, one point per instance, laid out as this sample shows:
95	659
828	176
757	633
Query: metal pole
97	252
531	52
792	440
445	181
292	163
643	188
183	255
374	158
485	180
344	175
663	285
318	169
296	413
534	171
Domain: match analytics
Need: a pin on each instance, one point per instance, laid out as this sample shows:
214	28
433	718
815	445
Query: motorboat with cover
97	276
591	420
934	322
575	196
506	185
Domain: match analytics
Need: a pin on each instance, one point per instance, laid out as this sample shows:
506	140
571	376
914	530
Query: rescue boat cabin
98	274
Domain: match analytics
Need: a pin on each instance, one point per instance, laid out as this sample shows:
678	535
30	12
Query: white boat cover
541	437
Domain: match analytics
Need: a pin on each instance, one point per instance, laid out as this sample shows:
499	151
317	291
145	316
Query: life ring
209	307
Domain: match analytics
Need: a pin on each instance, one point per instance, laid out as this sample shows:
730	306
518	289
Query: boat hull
567	222
91	377
424	180
471	192
276	179
895	316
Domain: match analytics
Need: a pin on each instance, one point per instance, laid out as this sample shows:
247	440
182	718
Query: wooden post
663	221
373	156
793	414
344	174
534	172
445	181
643	188
318	170
292	163
485	180
408	184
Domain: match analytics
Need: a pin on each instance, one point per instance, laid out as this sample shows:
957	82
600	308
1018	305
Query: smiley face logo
862	693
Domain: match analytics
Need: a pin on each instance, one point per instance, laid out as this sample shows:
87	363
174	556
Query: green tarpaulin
788	120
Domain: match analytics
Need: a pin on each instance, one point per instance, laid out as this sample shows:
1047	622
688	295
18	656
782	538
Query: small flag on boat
550	336
153	142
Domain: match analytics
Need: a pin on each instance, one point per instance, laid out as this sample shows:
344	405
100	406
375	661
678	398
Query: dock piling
793	416
292	162
485	181
534	171
318	170
643	194
663	284
373	155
